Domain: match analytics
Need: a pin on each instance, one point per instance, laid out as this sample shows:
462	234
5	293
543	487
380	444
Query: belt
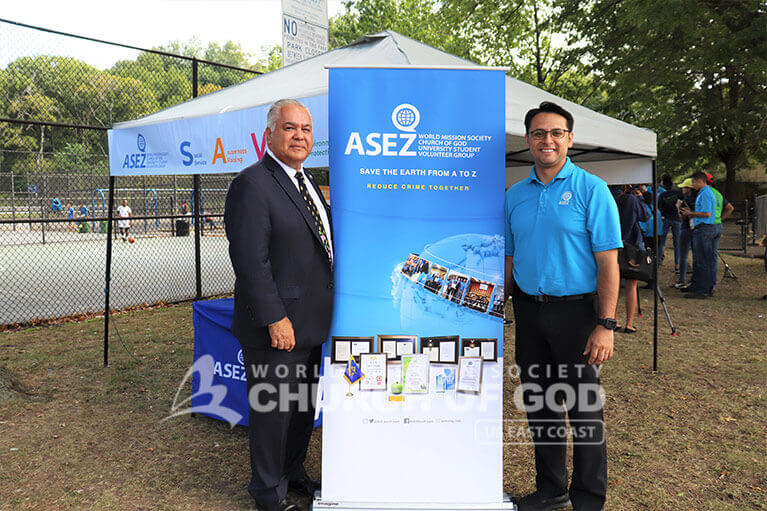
552	299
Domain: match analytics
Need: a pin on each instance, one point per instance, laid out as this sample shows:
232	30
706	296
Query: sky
142	23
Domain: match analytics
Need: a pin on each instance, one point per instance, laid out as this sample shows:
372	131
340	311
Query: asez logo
136	160
405	118
565	201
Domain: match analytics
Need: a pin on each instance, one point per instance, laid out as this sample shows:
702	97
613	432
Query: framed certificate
373	367
397	345
469	375
441	350
341	348
485	348
415	373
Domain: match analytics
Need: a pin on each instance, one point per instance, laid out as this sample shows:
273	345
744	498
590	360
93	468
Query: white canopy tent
616	151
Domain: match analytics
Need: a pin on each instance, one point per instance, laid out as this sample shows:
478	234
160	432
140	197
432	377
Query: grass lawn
691	437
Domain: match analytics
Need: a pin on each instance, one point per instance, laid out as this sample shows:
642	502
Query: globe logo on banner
405	117
141	142
240	358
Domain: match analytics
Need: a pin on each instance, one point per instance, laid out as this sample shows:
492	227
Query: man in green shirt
723	210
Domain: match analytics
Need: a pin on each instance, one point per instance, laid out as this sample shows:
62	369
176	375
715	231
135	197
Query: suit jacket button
330	286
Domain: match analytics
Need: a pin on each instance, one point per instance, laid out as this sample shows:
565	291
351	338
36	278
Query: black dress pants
281	391
549	344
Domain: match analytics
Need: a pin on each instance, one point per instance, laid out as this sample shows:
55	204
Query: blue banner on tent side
417	186
223	143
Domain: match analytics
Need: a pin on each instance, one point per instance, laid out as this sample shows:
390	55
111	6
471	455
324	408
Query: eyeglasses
541	134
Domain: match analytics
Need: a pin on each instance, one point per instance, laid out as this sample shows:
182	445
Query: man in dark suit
278	226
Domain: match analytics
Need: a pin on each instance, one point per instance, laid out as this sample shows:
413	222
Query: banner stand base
320	504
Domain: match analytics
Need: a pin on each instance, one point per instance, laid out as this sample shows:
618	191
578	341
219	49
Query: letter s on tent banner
417	172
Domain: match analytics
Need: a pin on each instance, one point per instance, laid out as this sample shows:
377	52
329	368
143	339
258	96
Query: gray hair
274	111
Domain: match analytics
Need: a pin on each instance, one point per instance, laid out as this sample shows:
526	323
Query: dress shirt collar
287	168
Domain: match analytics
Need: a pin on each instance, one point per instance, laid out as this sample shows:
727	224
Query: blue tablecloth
218	363
219	368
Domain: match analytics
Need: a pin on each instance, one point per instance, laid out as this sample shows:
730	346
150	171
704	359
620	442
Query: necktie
315	214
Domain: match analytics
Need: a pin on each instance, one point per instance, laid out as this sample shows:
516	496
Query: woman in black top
631	211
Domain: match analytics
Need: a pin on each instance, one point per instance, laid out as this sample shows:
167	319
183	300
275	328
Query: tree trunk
40	154
538	63
729	186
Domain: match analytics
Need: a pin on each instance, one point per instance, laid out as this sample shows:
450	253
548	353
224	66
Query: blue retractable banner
417	173
221	143
417	185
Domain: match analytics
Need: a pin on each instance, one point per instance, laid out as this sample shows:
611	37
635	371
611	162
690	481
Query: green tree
168	79
695	71
272	59
418	19
528	36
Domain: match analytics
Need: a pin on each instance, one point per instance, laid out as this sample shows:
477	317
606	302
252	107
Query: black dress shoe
305	486
284	505
535	502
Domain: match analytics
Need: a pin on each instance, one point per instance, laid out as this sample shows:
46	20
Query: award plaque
373	366
469	375
395	346
441	350
342	348
485	348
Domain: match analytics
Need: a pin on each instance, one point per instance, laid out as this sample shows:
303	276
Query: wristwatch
608	323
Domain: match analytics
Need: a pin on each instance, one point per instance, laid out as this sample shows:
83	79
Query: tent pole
108	277
197	213
197	206
655	267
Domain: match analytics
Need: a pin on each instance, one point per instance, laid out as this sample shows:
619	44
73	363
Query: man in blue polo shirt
705	237
562	241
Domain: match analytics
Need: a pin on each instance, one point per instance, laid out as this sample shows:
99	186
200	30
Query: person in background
123	224
631	210
647	229
71	216
723	210
704	238
685	234
670	219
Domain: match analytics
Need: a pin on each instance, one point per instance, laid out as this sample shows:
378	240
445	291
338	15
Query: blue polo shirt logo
565	200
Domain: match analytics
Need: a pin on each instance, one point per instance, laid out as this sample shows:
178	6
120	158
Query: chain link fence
54	180
736	229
